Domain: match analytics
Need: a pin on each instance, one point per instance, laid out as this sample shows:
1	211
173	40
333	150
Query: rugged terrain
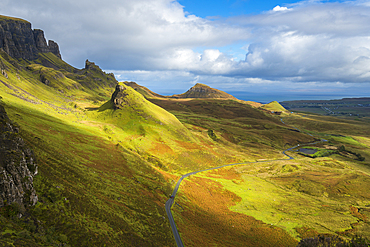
198	91
89	161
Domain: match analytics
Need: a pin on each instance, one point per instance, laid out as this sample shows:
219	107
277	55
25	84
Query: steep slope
98	154
17	167
108	159
19	41
127	100
203	91
89	189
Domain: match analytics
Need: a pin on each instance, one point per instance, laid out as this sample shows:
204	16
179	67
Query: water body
307	150
268	97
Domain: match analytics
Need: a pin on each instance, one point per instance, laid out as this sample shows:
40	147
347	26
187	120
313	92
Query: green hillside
95	162
108	155
200	90
143	90
274	106
89	187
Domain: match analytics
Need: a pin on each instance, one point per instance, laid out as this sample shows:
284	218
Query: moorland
109	154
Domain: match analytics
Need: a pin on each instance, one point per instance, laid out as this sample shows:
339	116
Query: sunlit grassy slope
304	197
273	106
105	173
92	191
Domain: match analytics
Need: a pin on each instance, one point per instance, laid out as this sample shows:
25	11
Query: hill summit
274	106
203	91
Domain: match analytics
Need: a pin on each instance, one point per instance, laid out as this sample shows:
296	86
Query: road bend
171	200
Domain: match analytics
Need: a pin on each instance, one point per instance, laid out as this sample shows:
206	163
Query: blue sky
264	50
227	8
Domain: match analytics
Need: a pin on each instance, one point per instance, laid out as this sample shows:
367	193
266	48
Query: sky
256	50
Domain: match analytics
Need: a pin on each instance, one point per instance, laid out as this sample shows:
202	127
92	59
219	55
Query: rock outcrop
92	76
119	96
17	166
18	39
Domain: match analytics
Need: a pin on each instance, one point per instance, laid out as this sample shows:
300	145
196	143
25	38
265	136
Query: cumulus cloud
123	34
278	8
325	42
309	41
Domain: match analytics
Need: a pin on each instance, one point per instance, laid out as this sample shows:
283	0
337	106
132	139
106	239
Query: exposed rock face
18	40
17	166
91	66
119	96
54	48
97	75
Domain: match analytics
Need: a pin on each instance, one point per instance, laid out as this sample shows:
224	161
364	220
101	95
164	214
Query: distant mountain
198	91
203	91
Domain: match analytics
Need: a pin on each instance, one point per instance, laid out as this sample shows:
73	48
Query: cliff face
17	166
119	97
18	39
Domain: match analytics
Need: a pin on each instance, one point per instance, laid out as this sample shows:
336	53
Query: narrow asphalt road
171	200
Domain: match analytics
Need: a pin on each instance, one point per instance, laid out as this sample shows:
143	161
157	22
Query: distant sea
279	97
268	97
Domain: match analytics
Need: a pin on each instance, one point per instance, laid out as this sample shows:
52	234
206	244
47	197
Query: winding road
171	200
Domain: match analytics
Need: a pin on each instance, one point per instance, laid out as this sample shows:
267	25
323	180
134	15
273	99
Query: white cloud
118	34
156	40
278	8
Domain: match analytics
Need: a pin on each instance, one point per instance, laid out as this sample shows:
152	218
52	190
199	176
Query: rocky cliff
17	166
119	96
18	39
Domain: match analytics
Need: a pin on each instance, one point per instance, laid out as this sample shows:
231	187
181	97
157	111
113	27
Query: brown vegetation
205	219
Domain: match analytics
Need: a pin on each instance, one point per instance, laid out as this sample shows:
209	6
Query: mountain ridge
19	40
198	91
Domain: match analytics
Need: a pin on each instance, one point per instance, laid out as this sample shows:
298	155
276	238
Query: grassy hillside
305	197
203	91
347	107
92	191
237	123
105	172
143	90
274	106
